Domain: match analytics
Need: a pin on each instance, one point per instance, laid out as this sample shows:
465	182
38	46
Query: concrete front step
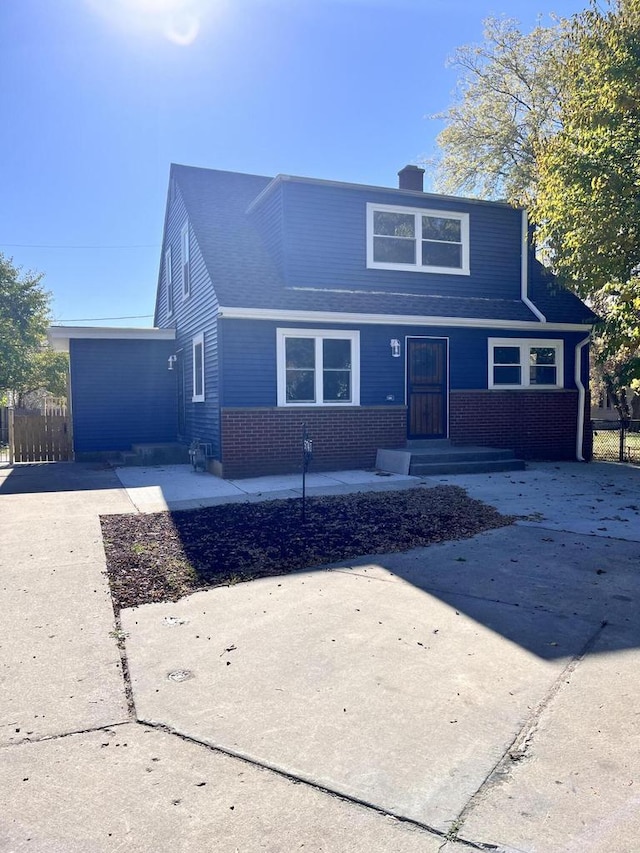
424	459
430	469
460	454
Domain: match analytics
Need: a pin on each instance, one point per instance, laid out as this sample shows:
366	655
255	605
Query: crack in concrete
521	743
120	637
535	526
43	738
301	780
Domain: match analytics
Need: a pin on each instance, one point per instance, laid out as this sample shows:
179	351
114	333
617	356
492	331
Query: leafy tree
44	370
616	376
25	363
507	103
551	120
588	202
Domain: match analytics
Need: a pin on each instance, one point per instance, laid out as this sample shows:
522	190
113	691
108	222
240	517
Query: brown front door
427	387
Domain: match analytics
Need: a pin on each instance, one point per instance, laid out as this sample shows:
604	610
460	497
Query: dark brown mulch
166	555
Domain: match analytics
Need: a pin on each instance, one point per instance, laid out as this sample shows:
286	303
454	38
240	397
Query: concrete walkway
180	487
478	694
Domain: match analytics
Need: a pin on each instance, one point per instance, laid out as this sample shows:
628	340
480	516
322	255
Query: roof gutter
582	395
237	313
524	270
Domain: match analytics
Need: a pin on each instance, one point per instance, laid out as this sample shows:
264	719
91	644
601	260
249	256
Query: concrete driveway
478	694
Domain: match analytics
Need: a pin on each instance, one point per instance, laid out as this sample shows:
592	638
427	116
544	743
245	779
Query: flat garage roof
59	336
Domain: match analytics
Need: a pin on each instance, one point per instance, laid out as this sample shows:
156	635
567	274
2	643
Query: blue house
372	315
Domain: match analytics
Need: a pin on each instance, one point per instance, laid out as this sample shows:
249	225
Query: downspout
524	270
582	394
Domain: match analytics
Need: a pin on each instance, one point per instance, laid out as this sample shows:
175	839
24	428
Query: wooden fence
40	437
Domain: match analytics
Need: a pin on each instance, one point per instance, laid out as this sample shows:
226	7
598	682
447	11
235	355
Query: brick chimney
411	178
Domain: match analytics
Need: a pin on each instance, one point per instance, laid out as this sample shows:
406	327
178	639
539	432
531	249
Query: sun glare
178	21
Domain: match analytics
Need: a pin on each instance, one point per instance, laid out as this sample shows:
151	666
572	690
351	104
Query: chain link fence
616	441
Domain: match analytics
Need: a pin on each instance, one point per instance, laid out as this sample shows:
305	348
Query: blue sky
98	97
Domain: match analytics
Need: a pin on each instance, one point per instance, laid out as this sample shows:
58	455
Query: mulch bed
165	555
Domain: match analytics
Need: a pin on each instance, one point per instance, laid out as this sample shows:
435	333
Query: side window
186	269
518	363
198	369
168	272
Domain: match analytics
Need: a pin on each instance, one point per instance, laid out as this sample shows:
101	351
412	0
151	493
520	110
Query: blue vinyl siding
325	244
122	393
249	359
195	314
250	377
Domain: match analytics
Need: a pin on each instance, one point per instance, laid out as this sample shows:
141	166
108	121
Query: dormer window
418	240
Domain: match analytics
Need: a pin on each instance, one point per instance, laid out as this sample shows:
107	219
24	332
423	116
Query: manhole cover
180	675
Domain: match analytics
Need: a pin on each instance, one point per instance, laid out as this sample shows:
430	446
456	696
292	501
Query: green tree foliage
506	104
45	370
588	201
25	363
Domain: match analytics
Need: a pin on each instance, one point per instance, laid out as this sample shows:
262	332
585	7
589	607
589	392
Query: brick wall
256	441
535	424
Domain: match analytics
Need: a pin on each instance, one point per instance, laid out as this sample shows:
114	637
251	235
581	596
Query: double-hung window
408	238
186	269
168	272
198	368
318	367
518	363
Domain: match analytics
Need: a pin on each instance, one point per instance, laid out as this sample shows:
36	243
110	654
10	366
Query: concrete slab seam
35	740
521	743
120	637
538	526
301	780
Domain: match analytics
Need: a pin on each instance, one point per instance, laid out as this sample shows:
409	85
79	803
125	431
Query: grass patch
163	556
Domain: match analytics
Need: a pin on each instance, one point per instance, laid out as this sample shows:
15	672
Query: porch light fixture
395	347
172	360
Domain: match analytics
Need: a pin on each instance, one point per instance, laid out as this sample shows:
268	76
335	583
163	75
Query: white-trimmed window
518	363
318	367
186	270
198	368
168	272
412	238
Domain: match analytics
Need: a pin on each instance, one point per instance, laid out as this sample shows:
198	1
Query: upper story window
168	272
186	269
318	367
412	238
517	363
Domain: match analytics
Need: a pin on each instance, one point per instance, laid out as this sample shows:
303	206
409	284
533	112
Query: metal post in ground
307	456
624	426
12	433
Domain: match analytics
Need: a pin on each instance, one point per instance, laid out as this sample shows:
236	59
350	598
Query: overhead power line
90	319
51	246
